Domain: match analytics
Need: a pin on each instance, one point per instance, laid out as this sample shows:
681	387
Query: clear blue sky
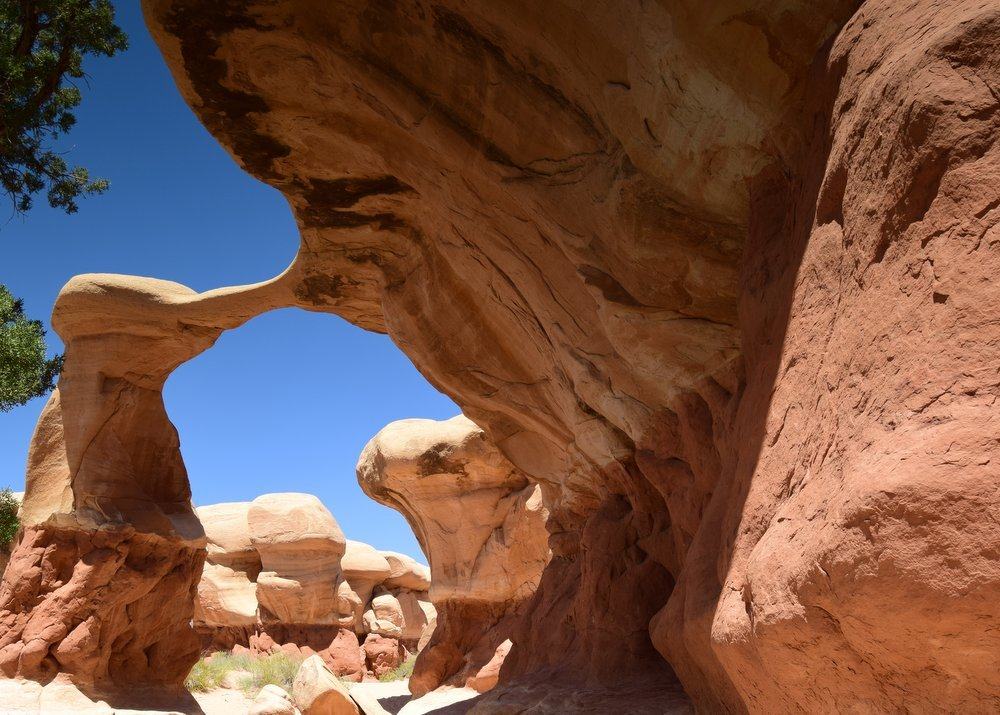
284	403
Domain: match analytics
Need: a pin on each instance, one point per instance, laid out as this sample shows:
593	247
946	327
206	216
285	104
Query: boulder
385	617
487	676
401	614
345	657
316	691
226	598
272	700
363	568
417	611
300	545
383	654
228	533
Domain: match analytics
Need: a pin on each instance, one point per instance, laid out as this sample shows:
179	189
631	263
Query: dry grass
403	671
275	669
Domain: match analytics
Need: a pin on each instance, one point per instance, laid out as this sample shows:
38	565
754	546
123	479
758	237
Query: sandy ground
223	702
376	699
58	698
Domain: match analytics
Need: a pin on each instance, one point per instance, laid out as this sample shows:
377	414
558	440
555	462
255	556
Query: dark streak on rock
435	461
451	23
326	200
225	112
320	289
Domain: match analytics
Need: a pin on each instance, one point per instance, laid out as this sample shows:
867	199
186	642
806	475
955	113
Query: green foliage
208	674
9	523
275	669
42	46
403	671
24	370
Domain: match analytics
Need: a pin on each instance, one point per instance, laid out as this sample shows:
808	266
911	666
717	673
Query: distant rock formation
482	526
281	576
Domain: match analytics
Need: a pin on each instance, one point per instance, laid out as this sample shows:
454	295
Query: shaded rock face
718	277
481	524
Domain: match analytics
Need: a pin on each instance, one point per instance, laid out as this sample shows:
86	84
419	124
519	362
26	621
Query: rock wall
863	461
280	576
717	276
481	524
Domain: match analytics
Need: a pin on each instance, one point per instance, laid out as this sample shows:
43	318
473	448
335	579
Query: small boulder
272	700
345	657
383	654
316	691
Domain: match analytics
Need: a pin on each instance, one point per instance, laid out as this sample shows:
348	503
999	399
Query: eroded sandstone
481	524
280	576
717	276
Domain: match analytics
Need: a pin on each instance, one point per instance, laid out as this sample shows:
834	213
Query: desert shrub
401	672
9	523
275	669
208	674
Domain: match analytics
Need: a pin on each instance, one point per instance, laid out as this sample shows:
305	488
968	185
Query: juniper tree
25	372
9	522
42	46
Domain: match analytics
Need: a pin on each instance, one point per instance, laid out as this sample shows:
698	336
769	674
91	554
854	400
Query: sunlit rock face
481	524
717	276
109	535
300	545
280	575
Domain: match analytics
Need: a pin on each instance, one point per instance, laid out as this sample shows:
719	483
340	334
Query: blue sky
284	403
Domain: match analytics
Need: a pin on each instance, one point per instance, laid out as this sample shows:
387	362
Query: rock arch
716	276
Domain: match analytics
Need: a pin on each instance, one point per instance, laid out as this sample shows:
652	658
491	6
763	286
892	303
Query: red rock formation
860	563
109	535
382	654
718	276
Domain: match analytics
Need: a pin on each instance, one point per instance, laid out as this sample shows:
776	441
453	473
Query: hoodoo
482	525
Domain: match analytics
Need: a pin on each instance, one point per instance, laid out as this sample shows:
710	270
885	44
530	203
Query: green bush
9	523
403	671
25	372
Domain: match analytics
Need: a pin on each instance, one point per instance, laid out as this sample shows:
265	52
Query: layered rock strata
481	524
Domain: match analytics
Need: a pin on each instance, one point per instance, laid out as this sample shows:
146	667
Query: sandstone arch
716	275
